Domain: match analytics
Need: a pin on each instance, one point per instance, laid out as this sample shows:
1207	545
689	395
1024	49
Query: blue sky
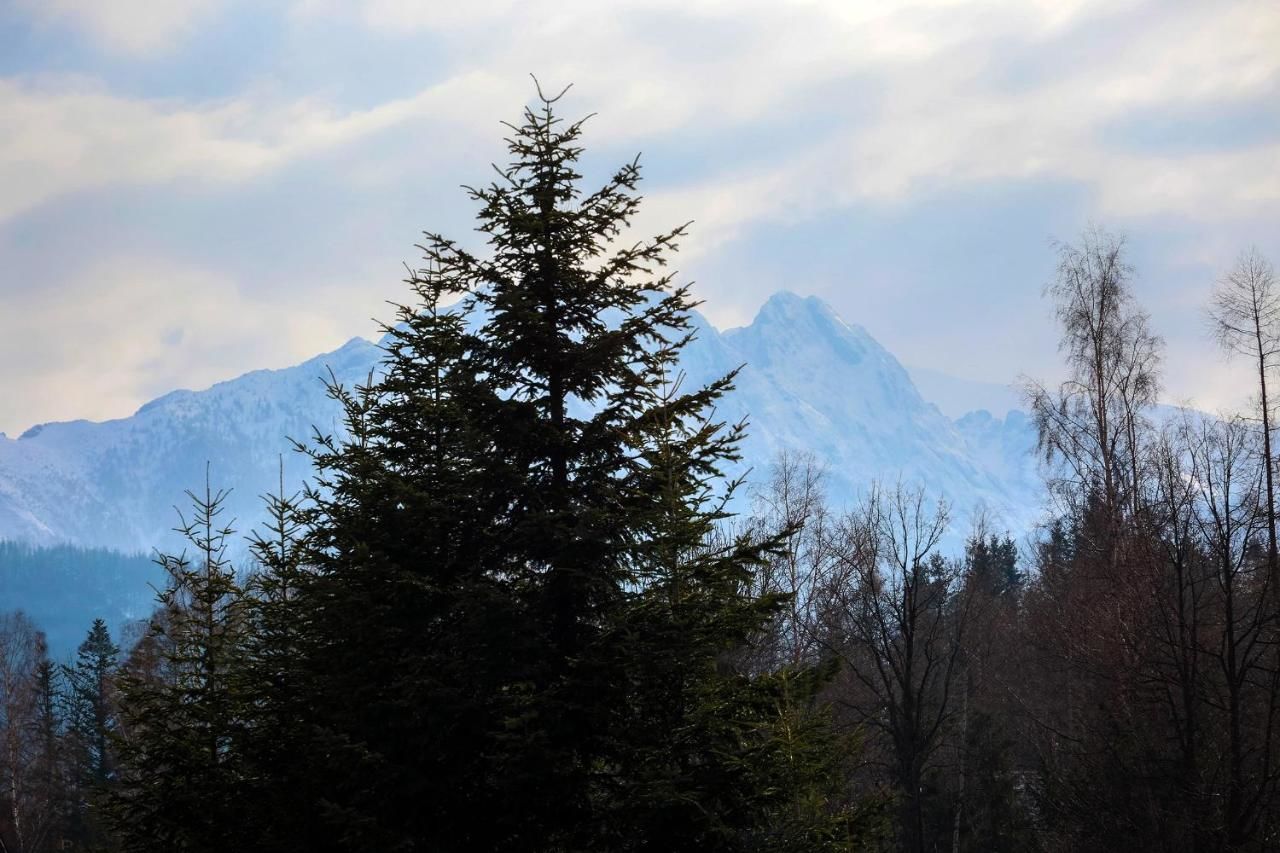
194	189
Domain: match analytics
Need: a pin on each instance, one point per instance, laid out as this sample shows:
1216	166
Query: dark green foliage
996	810
407	634
58	814
277	743
89	716
992	564
517	631
711	758
180	787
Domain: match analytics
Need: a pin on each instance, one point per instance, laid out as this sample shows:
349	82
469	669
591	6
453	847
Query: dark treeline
512	613
55	582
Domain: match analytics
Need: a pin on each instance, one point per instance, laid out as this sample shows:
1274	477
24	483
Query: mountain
115	484
814	382
811	382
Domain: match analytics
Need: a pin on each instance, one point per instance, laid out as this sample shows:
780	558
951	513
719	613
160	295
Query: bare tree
1183	601
1245	691
893	623
1091	613
792	502
28	804
1245	317
1093	422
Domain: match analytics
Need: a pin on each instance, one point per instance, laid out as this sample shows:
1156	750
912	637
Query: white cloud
946	114
130	27
130	328
947	120
949	93
952	108
63	135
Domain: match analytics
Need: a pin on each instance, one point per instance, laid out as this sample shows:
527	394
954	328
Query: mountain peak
795	312
790	329
787	304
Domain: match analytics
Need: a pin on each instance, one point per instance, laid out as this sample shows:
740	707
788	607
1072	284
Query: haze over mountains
811	382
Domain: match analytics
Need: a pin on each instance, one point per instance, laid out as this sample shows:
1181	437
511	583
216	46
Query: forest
512	612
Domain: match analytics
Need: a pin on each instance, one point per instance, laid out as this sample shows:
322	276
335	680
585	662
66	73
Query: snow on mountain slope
821	384
810	382
115	484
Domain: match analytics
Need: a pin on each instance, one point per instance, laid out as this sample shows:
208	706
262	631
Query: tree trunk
964	741
1272	561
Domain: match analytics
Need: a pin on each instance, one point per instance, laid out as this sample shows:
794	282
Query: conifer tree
409	637
711	758
48	765
180	784
89	708
511	602
277	745
91	717
992	563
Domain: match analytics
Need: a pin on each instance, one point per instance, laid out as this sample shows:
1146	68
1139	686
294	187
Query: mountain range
809	382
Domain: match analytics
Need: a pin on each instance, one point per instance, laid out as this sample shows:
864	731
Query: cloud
970	91
141	28
61	135
949	119
947	112
115	332
765	113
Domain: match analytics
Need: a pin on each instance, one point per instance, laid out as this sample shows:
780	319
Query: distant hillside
63	588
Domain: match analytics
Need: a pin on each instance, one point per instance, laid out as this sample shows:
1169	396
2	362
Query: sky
193	189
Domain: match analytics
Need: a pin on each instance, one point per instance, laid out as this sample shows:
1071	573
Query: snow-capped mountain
810	382
814	382
115	484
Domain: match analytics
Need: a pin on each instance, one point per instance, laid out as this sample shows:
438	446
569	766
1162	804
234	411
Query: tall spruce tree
412	636
91	720
277	743
51	781
518	636
180	785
